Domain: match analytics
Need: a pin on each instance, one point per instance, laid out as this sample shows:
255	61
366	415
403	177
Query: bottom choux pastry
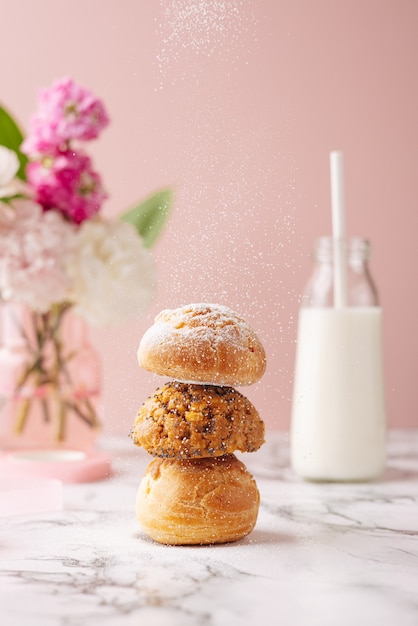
197	501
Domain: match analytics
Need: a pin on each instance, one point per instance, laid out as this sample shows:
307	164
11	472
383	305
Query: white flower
111	272
33	249
9	164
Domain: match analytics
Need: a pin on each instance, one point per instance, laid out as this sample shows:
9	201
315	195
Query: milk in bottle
338	427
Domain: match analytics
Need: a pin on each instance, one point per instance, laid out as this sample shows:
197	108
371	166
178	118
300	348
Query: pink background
237	104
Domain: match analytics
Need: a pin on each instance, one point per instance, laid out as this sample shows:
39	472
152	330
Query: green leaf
12	137
150	215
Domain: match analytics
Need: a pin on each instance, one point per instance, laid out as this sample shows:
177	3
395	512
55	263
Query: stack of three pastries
196	491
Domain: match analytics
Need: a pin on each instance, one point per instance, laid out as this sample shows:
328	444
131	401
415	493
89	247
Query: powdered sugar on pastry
203	343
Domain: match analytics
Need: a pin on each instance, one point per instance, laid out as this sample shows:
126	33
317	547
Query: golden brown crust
203	343
197	501
189	421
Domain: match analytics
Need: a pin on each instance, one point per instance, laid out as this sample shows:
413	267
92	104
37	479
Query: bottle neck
357	250
359	287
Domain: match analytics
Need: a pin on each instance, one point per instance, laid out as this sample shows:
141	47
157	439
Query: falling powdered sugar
200	28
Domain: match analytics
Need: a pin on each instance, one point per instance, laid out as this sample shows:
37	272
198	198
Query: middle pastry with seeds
196	421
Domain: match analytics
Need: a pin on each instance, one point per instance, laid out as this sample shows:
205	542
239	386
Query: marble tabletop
321	554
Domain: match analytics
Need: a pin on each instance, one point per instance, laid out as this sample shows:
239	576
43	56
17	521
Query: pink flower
67	183
43	138
33	254
66	112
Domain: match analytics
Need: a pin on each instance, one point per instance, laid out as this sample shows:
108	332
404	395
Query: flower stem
46	379
60	423
22	414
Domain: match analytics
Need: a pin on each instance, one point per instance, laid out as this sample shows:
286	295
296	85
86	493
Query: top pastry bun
203	343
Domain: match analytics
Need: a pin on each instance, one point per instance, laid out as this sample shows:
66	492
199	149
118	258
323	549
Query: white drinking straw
338	229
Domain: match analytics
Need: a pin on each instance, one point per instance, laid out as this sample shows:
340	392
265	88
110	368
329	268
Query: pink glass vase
50	380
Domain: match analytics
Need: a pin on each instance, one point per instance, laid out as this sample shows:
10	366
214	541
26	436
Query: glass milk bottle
338	427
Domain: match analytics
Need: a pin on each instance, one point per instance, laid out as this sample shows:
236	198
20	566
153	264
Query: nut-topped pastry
190	421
